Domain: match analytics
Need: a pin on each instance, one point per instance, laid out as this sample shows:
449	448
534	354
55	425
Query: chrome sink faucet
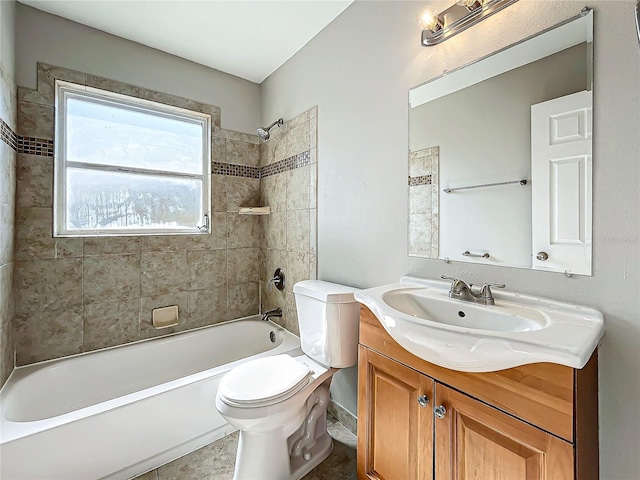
461	291
276	312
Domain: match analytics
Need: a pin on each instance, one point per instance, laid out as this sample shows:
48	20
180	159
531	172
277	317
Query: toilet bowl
279	403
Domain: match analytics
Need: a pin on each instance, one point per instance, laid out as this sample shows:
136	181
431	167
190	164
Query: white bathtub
119	412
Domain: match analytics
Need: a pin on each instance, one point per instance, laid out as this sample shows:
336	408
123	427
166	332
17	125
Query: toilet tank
328	318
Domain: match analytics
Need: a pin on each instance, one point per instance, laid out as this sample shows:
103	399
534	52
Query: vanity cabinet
417	420
400	419
476	441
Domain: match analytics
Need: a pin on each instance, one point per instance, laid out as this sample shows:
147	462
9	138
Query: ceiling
250	39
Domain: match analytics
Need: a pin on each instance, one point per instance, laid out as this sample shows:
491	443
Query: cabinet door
395	422
476	442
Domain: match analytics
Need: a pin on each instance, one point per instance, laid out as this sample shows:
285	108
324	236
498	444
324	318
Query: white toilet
279	403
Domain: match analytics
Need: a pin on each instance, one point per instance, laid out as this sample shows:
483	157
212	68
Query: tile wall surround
80	294
289	187
8	159
75	295
424	199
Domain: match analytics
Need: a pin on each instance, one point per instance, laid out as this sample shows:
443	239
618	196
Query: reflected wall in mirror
500	156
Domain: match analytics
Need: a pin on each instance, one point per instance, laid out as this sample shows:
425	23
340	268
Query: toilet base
268	461
322	449
281	454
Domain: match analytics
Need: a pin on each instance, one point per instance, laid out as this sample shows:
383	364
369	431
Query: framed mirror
500	156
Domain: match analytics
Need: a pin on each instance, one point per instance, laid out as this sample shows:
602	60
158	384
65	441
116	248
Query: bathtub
119	412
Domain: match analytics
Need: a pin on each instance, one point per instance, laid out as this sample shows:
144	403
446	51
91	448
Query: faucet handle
277	280
496	285
486	294
454	281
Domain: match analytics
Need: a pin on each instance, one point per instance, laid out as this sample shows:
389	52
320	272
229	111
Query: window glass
108	200
129	166
100	133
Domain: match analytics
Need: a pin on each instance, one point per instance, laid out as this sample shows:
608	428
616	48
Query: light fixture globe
428	20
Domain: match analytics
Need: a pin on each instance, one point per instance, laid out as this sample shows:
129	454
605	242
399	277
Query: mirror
500	156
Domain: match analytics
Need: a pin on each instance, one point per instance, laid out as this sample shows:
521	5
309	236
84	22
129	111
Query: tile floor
216	461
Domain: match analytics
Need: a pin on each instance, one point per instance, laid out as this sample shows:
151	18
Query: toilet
279	403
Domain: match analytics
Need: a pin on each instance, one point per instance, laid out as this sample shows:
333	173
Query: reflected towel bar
521	182
477	255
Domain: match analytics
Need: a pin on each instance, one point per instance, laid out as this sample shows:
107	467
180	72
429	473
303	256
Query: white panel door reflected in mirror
470	134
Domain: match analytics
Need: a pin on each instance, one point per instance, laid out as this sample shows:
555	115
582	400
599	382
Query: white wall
42	37
358	71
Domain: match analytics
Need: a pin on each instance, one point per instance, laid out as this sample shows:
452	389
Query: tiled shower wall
289	186
424	200
8	146
74	294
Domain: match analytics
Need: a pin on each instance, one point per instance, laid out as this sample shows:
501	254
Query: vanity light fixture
438	27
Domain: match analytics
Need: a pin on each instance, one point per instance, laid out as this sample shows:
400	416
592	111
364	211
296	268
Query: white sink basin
465	336
421	303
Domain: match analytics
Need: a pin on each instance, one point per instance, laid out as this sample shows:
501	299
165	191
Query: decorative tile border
44	148
295	161
422	180
35	146
29	145
234	170
8	136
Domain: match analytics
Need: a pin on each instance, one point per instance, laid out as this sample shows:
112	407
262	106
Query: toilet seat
264	381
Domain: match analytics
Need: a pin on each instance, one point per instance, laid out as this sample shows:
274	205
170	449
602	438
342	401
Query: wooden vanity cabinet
400	428
476	441
535	422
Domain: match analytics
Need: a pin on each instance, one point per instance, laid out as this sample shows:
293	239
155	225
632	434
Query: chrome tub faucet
276	312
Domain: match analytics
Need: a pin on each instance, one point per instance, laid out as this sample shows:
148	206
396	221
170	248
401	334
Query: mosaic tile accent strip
421	180
234	170
295	161
44	148
35	146
8	135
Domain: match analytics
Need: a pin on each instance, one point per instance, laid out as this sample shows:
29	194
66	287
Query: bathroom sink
418	303
466	336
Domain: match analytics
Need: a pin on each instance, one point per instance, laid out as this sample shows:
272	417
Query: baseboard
344	416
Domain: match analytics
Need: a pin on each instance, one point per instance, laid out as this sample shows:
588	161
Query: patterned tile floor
216	461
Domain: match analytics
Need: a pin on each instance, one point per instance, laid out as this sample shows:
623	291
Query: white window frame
66	90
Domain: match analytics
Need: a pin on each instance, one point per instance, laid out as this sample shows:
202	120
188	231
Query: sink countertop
461	335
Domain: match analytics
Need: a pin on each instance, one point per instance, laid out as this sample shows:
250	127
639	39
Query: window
126	166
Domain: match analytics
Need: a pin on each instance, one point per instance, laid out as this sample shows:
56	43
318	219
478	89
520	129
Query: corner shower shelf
254	210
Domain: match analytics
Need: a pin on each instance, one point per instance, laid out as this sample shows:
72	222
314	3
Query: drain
461	314
272	336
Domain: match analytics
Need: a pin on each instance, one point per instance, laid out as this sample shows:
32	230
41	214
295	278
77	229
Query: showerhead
263	133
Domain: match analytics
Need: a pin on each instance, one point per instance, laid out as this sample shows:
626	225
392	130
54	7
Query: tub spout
276	312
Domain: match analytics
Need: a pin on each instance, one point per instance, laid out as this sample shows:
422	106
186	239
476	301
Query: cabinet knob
423	400
439	411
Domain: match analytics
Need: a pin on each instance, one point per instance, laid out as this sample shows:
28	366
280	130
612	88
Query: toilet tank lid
325	291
